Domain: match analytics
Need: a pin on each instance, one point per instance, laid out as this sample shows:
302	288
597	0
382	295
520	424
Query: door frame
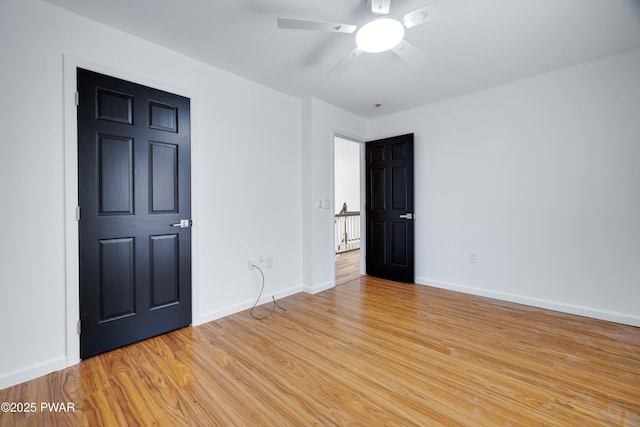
363	239
71	251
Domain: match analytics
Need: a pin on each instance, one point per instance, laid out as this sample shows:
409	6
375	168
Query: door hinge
77	98
77	213
79	327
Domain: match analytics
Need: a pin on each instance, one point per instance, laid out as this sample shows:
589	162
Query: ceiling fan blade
342	65
418	16
380	7
298	24
411	54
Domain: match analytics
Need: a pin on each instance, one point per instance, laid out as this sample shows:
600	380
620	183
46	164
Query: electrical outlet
269	261
473	257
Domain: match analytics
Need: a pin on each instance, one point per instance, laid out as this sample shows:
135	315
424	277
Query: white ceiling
473	44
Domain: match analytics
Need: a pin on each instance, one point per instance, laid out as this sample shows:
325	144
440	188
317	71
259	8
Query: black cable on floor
275	303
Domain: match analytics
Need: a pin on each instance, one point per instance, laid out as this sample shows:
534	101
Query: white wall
346	174
320	123
541	178
246	182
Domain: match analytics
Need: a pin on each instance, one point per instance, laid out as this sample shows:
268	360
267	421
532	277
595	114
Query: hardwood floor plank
347	266
64	392
218	381
32	392
368	352
160	380
101	409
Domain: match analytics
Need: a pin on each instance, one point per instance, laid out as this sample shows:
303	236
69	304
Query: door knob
184	223
407	216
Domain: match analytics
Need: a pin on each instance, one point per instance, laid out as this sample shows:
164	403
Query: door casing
71	253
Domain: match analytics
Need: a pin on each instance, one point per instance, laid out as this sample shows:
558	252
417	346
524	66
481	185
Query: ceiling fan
378	35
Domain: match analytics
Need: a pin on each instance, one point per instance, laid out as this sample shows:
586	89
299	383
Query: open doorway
347	198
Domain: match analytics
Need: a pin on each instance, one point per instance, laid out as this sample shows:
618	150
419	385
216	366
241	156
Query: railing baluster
347	231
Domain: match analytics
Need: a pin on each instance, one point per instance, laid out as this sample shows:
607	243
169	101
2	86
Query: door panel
163	162
378	237
390	239
134	184
399	246
114	106
117	283
165	259
398	188
115	176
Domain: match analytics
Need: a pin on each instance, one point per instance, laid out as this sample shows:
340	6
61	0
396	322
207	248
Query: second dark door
389	208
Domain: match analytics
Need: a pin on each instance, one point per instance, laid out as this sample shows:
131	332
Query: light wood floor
347	266
369	352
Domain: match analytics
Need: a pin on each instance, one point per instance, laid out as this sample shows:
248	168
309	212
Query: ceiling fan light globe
379	35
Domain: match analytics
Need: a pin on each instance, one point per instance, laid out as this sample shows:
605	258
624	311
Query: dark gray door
389	208
134	190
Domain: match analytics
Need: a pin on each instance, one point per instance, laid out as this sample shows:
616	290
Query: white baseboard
318	288
30	372
236	308
591	312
